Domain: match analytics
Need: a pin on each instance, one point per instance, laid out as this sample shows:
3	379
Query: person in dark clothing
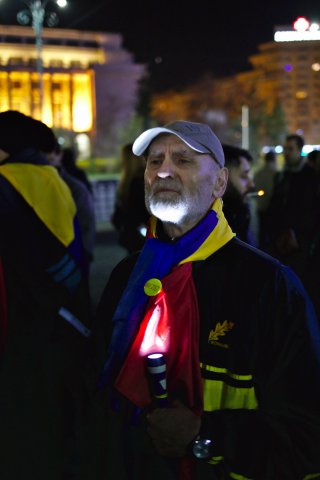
83	199
236	328
313	159
130	215
42	290
293	215
313	278
264	180
235	204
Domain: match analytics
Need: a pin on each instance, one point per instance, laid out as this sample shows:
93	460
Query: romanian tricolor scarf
54	206
137	312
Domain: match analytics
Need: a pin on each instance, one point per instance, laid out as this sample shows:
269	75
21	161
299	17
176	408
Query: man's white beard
168	211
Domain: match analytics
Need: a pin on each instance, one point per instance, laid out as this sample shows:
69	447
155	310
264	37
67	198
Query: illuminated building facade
90	83
282	91
287	72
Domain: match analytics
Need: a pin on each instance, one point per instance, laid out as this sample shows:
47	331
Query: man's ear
221	182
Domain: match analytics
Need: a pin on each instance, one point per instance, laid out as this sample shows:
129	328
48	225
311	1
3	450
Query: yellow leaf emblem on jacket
220	330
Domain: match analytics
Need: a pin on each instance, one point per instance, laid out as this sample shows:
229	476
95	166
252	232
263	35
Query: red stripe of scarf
170	326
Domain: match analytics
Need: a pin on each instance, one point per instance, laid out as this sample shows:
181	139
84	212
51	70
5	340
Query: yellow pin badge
152	287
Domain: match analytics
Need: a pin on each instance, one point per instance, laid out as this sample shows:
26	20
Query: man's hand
173	428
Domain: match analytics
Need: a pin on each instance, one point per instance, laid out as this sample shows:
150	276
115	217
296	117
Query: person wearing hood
43	270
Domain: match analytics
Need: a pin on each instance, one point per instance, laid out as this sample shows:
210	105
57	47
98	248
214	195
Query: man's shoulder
242	268
237	254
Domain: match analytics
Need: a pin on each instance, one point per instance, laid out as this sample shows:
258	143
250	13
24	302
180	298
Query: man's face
180	184
291	153
240	177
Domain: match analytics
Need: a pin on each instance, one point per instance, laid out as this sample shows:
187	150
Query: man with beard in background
235	203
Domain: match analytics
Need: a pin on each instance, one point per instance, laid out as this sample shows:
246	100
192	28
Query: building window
56	63
301	94
75	64
56	86
15	61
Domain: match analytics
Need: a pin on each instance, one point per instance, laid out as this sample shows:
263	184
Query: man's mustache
169	184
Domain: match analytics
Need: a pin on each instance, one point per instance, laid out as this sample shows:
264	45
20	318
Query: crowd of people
291	220
231	320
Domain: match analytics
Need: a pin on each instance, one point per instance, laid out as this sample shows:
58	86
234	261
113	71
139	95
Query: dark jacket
238	215
293	205
293	224
84	201
262	377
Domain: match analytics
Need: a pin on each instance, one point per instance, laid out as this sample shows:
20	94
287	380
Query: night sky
178	42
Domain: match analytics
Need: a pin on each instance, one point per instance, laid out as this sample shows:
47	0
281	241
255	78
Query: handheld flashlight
156	366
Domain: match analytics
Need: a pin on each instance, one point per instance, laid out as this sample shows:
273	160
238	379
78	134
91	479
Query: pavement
107	254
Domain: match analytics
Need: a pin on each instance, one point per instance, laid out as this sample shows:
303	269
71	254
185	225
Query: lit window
301	94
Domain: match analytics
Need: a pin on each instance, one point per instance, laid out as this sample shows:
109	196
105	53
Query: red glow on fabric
176	324
156	330
3	310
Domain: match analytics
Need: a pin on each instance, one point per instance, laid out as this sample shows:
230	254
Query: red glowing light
301	24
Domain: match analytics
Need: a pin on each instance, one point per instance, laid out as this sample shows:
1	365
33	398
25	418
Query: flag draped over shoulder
50	198
47	194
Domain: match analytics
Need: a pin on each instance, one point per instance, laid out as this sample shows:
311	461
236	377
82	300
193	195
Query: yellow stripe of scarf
219	236
43	189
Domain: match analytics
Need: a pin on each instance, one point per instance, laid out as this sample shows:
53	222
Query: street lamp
37	15
245	126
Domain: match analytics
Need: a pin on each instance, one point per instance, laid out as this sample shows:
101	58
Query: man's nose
166	169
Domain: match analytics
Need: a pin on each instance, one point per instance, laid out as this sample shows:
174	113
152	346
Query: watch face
202	448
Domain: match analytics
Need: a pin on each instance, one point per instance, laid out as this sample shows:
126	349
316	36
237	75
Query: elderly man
235	327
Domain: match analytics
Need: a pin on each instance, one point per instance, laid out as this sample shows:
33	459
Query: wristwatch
202	448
